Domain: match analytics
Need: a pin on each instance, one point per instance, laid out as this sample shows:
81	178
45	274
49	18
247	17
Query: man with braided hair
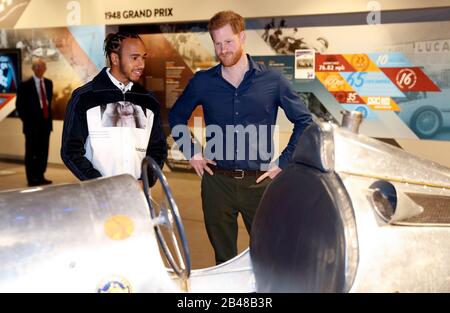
112	122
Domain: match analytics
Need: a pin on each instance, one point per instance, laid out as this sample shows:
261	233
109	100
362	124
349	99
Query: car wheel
426	122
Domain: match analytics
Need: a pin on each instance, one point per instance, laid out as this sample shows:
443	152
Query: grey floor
186	191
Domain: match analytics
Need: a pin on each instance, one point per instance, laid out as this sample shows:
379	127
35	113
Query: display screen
10	71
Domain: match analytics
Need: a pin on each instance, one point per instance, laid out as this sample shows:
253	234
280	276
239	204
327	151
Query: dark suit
35	127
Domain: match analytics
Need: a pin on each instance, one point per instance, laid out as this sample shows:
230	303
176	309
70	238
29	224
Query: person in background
33	104
238	92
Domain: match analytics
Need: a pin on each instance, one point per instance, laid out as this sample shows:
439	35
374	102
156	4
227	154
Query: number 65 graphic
358	81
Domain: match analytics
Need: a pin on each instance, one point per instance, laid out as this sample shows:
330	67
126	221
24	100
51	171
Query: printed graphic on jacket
119	133
123	114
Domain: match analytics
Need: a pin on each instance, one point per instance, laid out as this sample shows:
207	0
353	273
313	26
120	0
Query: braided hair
113	42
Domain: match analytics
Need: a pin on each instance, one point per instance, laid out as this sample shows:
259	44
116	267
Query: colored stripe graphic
11	11
371	84
69	47
410	79
333	81
361	62
391	59
332	63
381	103
348	97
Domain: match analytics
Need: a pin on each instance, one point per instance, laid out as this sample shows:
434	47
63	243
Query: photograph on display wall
10	77
304	64
284	39
10	70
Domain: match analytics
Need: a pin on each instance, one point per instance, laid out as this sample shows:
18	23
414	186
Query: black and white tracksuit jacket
101	138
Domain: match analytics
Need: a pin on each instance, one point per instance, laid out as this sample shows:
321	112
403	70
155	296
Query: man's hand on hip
271	173
200	164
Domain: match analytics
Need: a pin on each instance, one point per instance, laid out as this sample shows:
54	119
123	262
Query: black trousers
36	155
223	198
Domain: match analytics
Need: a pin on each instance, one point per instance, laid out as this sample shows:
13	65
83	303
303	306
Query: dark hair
113	42
223	18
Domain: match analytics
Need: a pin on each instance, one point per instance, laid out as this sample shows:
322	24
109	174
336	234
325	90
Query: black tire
426	122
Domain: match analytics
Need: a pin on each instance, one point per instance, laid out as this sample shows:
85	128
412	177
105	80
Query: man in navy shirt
240	100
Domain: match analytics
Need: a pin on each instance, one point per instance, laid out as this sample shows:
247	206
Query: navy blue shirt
244	116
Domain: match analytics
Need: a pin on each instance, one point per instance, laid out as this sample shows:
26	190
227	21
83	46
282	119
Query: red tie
44	100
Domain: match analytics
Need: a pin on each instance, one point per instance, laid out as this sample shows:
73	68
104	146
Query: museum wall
413	37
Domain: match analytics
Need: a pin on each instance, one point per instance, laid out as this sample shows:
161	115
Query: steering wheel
169	218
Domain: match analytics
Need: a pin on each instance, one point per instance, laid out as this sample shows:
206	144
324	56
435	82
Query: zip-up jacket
107	132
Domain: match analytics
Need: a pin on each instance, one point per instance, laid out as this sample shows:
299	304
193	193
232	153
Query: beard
231	58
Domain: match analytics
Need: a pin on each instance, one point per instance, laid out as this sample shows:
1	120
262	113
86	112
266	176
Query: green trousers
223	198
